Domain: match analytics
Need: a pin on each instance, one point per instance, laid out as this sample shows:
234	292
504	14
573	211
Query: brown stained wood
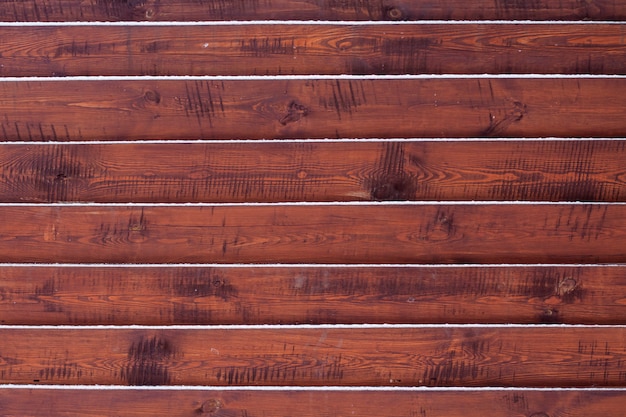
495	403
313	49
440	356
423	233
548	170
312	295
192	10
292	108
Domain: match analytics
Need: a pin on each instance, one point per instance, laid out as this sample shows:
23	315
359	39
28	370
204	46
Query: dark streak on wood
148	360
393	183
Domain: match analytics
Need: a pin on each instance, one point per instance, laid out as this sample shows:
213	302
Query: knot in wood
295	111
393	13
211	406
152	96
567	286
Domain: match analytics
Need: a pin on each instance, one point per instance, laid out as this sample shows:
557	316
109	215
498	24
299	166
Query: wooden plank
576	170
251	403
306	108
56	295
155	10
422	233
313	49
386	356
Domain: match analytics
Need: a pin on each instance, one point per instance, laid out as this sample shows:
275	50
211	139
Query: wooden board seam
303	265
325	388
311	77
311	22
313	140
262	327
326	203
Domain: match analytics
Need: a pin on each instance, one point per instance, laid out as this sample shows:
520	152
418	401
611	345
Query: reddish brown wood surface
222	403
35	295
548	170
292	108
313	49
491	233
154	10
440	356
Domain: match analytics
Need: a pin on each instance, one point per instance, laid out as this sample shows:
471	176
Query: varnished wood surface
192	10
576	170
56	295
294	108
440	356
440	233
313	49
327	237
223	403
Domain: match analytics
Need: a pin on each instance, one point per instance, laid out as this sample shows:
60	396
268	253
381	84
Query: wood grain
577	170
188	403
444	356
35	295
155	10
440	233
313	49
291	108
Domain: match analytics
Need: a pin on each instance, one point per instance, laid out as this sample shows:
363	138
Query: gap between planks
309	77
313	140
309	265
326	203
328	388
366	326
313	22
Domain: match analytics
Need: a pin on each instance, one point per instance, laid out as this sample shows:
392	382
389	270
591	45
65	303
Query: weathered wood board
497	170
284	49
409	356
201	295
205	108
343	234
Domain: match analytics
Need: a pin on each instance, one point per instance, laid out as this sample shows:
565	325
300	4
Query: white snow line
327	140
296	388
284	266
322	204
314	22
285	327
303	77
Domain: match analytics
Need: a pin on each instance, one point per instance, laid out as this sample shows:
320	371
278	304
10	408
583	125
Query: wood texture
577	170
35	295
314	49
155	10
67	403
444	356
378	233
348	108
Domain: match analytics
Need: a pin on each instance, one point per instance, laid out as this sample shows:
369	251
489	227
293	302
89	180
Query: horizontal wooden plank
445	356
155	10
495	403
439	233
313	49
35	295
576	170
307	108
